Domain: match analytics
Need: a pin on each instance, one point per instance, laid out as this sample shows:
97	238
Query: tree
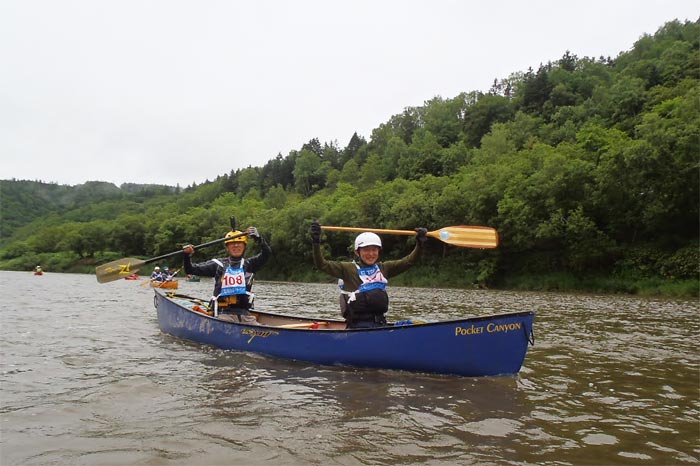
443	119
349	172
276	197
308	173
248	178
353	148
128	235
423	157
395	151
372	171
314	145
481	115
535	90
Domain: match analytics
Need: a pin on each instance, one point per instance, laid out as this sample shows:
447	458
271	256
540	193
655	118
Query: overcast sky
174	92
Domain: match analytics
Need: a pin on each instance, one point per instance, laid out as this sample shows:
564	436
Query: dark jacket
369	306
348	272
211	268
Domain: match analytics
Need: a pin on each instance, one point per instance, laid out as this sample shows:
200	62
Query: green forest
588	168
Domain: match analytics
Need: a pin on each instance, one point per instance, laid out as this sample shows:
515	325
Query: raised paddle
118	269
462	236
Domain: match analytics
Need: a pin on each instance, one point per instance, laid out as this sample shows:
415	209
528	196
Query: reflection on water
87	378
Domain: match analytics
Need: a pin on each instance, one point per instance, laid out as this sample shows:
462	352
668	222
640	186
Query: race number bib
372	278
233	281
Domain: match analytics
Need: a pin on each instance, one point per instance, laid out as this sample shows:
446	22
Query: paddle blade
118	269
467	236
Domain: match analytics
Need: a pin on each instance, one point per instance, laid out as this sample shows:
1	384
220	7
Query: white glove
253	233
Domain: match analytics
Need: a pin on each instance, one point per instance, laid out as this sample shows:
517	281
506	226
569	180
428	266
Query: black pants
377	321
367	309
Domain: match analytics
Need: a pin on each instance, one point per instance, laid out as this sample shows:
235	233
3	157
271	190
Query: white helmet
367	239
156	268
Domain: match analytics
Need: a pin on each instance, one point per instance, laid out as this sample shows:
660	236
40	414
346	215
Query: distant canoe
476	346
39	273
133	276
192	278
170	285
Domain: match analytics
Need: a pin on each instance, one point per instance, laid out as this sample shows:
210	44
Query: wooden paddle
462	236
118	269
310	325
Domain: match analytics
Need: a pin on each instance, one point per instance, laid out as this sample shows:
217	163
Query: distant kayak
39	273
192	278
133	276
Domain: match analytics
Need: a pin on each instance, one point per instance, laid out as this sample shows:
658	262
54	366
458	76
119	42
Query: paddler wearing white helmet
364	300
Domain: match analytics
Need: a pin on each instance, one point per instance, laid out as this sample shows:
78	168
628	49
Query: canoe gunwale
300	318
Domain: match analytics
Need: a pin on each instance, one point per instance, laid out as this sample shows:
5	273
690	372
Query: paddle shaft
118	269
373	230
170	254
462	236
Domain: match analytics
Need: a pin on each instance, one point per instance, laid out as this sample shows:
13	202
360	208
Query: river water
87	378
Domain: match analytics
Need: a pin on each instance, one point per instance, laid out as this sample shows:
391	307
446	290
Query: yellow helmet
241	239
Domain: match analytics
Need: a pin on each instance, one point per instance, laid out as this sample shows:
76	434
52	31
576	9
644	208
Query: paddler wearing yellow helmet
233	275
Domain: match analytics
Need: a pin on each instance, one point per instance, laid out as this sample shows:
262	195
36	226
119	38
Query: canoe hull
171	285
473	347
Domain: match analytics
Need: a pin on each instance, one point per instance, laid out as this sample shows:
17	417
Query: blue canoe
477	346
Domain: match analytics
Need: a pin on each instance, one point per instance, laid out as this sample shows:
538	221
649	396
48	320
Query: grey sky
172	91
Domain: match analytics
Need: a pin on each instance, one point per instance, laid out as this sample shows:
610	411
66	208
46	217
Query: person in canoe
233	275
168	276
364	300
157	275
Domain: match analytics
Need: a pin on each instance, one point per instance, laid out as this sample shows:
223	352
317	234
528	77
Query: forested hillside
587	167
24	201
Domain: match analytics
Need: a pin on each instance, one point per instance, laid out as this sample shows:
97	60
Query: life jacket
371	301
233	286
